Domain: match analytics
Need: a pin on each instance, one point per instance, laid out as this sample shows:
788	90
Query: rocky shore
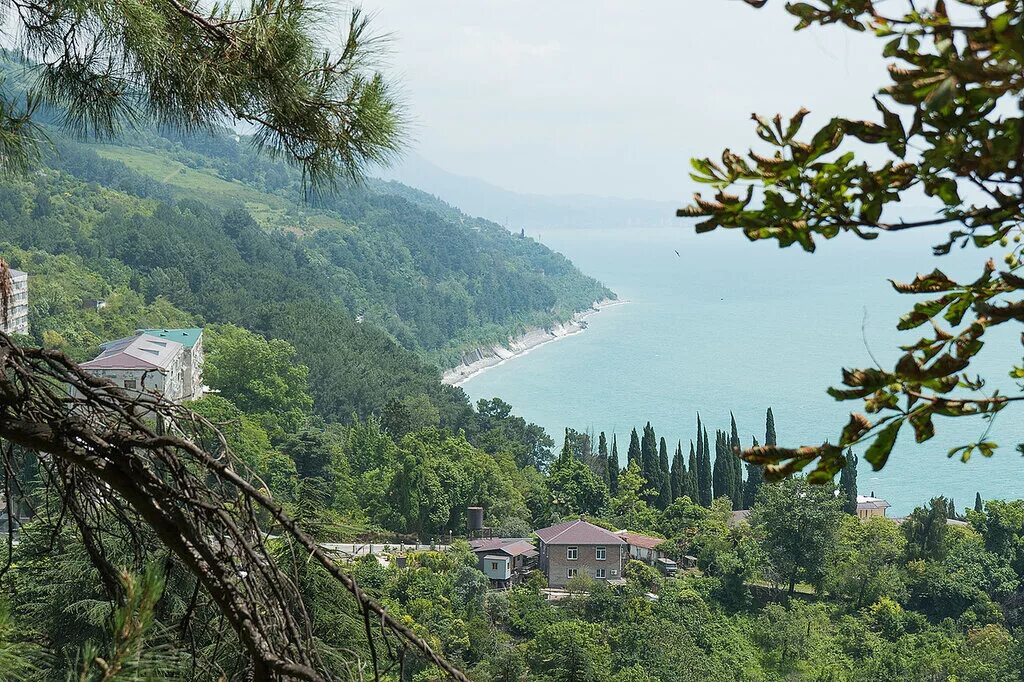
485	357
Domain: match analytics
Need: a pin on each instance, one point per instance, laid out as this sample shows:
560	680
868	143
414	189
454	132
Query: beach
485	357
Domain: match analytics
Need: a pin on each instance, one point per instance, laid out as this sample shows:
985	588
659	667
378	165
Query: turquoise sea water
733	325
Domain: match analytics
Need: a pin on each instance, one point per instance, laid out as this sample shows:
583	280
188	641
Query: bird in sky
677	252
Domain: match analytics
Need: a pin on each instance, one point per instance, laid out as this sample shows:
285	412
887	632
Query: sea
715	324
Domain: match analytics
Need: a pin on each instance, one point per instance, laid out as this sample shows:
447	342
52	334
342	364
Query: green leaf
878	452
921	420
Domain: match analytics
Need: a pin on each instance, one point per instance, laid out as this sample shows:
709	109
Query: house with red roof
576	548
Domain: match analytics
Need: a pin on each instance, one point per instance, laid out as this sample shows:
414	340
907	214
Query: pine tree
978	505
769	430
705	490
633	453
737	466
848	483
664	476
755	477
691	476
678	473
613	468
602	459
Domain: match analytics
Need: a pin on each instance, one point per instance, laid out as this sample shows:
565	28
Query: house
17	305
192	340
642	547
574	548
504	560
868	507
143	363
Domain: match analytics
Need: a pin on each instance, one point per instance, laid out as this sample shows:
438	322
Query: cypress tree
848	483
952	510
566	453
700	442
664	476
649	468
664	498
633	454
677	475
691	476
737	466
704	481
755	477
613	468
978	505
769	430
721	473
602	459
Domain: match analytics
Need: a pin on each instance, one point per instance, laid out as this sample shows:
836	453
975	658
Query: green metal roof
186	337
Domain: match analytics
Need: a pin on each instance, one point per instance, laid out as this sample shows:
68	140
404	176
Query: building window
572	553
130	383
570	573
599	573
601	553
494	565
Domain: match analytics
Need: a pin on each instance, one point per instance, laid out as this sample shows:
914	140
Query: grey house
580	548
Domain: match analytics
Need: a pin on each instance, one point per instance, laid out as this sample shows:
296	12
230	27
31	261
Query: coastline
485	357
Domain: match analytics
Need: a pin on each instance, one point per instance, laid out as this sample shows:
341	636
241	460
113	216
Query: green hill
204	230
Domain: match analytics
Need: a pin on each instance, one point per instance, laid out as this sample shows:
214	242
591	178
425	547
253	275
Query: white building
17	304
144	363
191	340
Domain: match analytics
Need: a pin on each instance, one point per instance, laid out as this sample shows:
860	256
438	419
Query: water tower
475	523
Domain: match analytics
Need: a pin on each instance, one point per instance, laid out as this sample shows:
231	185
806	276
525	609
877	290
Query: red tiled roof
639	540
578	532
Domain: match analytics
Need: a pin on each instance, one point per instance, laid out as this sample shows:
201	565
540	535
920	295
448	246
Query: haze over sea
729	325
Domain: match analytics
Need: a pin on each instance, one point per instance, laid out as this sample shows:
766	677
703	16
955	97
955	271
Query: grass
269	210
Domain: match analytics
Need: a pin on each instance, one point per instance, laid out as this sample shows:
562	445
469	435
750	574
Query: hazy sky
610	98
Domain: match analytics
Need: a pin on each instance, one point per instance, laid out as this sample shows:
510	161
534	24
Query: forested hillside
375	285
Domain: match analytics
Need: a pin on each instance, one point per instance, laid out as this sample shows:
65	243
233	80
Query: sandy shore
485	357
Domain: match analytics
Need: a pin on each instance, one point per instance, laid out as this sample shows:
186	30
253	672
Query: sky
609	98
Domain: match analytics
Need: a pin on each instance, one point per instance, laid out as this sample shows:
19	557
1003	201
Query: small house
505	561
868	507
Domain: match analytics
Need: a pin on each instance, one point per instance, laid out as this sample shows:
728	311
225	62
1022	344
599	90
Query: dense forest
375	287
346	424
800	588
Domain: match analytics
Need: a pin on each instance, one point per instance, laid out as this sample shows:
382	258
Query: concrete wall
555	564
171	384
193	389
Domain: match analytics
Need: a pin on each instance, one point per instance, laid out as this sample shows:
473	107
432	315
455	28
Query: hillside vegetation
200	231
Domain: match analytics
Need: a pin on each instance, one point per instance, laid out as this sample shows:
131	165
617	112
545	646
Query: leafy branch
944	126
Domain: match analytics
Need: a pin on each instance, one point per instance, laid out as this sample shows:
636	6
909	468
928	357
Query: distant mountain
531	211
